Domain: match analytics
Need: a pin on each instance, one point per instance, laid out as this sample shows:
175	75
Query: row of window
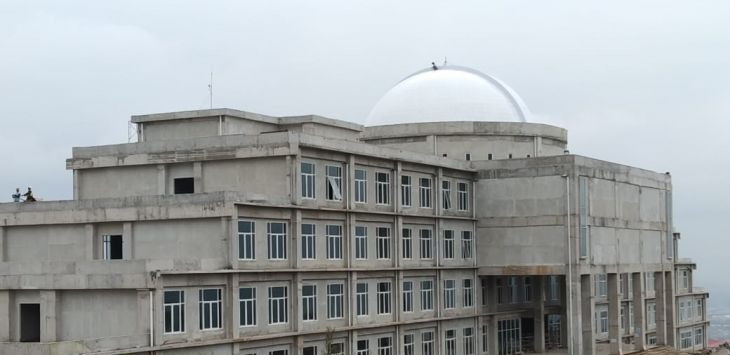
384	345
626	286
334	192
686	338
691	309
277	297
519	289
276	239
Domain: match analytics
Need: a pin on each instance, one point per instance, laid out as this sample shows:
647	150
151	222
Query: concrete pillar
198	177
539	303
661	320
614	314
5	304
127	241
669	304
3	253
587	316
91	249
143	312
348	181
493	342
48	316
232	307
637	282
294	252
191	312
161	179
76	181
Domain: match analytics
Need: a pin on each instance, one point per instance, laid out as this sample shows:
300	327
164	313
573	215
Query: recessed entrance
30	322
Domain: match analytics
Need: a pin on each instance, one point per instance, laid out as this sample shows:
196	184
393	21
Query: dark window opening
468	156
184	186
30	322
112	247
445	155
528	155
489	156
510	155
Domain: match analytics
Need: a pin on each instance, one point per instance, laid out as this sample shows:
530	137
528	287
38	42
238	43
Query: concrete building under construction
448	224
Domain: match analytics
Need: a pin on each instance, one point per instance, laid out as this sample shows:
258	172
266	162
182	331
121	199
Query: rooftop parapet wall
465	128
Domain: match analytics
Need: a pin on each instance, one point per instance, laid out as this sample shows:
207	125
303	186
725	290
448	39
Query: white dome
450	93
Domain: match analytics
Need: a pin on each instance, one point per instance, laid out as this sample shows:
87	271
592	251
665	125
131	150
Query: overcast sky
643	83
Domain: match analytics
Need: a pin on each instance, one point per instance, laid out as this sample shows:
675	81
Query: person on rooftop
16	195
29	195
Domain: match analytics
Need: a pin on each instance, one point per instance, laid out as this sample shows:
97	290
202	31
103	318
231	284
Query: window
554	286
651	315
309	302
446	194
467	245
485	339
407	243
383	242
468	341
246	240
449	294
183	185
425	189
651	339
489	156
307	176
685	339
276	235
309	242
362	299
468	156
484	291
500	291
247	302
278	305
450	342
512	288
408	344
427	343
210	308
684	279
468	292
602	319
583	228
425	245
700	312
333	175
448	244
361	186
508	336
649	281
382	184
337	349
527	289
680	311
310	350
363	348
601	285
405	190
407	296
699	336
383	297
427	295
361	242
463	192
174	307
334	242
112	247
334	301
385	346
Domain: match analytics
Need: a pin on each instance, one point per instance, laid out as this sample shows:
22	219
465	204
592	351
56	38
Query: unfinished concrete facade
227	232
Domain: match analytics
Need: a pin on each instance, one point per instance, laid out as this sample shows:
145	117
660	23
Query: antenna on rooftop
210	89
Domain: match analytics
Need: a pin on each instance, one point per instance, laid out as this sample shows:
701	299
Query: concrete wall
177	129
200	240
264	179
117	182
36	243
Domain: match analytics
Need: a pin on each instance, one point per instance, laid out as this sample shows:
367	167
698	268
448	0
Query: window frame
247	241
333	183
361	242
309	302
383	243
382	188
278	306
307	181
308	242
406	191
425	191
335	301
446	195
361	186
210	306
244	305
384	297
463	196
334	242
274	240
176	310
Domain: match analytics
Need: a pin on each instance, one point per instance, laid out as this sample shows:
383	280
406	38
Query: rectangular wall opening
184	185
30	322
112	247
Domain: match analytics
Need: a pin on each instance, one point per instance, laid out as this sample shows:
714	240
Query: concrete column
570	325
296	294
661	320
296	180
143	312
294	246
637	282
232	307
127	241
3	252
539	312
191	312
614	314
669	304
161	179
438	210
198	177
5	304
397	203
587	316
493	342
91	249
76	178
348	181
48	316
